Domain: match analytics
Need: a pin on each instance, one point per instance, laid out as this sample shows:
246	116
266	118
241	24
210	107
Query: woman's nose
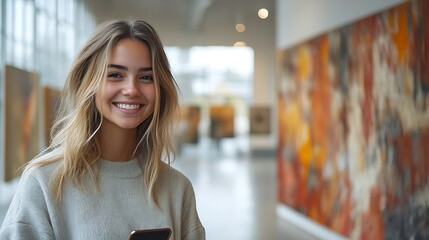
131	88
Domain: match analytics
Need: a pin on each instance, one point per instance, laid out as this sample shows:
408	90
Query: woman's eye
146	78
114	75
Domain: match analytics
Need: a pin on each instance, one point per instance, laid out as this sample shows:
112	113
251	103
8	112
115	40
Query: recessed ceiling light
239	44
240	27
263	13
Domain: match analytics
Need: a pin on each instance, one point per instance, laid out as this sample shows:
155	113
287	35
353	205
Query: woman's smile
127	106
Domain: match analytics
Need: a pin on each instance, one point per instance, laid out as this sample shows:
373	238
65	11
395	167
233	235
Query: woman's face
128	96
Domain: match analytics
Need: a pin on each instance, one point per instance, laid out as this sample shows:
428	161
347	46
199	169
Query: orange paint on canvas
320	103
399	29
304	62
304	147
292	119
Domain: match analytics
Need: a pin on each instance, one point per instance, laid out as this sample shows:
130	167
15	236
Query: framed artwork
259	117
190	116
354	126
52	100
221	121
21	119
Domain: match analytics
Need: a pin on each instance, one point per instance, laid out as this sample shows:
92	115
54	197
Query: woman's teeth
128	106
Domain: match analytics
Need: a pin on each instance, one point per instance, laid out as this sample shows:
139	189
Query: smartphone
151	234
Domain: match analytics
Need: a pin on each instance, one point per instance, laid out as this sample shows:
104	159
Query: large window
215	76
41	35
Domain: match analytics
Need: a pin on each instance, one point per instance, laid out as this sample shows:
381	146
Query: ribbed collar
130	169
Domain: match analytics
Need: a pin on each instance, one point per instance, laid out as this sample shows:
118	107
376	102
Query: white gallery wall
299	20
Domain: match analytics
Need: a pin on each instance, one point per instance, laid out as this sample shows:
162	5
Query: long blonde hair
74	142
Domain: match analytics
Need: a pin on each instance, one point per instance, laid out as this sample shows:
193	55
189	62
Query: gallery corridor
236	194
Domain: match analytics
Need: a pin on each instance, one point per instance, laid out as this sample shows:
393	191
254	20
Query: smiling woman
104	174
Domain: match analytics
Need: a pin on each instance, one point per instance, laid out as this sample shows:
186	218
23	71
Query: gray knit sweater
120	206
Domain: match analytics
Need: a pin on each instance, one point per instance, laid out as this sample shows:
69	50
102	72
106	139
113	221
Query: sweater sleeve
27	216
192	229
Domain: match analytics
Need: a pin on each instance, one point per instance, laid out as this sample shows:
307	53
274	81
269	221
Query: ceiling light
263	13
240	27
239	44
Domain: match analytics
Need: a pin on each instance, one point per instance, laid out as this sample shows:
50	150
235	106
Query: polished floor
235	193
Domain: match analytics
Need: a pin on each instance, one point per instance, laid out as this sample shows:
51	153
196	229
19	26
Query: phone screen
151	234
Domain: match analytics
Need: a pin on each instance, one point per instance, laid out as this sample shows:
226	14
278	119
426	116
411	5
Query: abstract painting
190	116
259	120
52	100
21	119
221	121
353	105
